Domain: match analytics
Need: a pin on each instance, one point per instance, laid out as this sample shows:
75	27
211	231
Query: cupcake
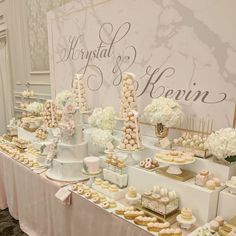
214	225
220	220
132	193
210	184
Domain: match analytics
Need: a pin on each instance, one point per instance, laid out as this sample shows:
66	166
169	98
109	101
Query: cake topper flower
69	108
63	97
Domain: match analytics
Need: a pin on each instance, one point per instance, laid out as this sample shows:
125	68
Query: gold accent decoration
170	218
161	131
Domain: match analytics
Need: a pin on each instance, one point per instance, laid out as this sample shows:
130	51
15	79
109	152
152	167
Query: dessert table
3	199
8	180
30	198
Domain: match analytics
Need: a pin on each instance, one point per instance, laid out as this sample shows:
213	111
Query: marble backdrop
37	31
182	49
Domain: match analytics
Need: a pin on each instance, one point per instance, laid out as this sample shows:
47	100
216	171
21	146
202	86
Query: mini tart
167	158
156	196
79	185
86	188
87	191
95	199
105	184
188	158
103	198
113	188
25	161
94	194
105	205
179	160
35	165
112	204
175	153
74	187
87	195
80	191
147	193
98	181
165	200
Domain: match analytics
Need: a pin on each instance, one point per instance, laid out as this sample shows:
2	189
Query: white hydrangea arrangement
101	137
63	97
35	107
222	144
163	111
103	118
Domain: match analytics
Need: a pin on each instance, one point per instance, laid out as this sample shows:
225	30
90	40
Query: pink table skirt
8	183
3	199
30	197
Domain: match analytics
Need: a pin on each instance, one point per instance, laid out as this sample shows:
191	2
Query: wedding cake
71	148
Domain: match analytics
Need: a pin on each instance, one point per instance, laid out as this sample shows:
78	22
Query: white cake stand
91	176
185	224
174	167
130	160
54	177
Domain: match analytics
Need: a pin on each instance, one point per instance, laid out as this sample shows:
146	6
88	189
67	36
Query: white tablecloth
30	197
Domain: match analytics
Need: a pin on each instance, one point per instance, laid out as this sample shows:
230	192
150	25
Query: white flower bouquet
63	97
103	118
163	111
101	137
35	107
222	144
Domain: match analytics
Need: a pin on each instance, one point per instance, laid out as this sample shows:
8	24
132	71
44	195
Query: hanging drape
5	87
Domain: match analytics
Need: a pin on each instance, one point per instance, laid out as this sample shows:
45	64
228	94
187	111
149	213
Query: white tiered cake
70	150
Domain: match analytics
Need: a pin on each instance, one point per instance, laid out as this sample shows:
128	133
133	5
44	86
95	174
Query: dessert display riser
202	201
222	171
26	135
227	204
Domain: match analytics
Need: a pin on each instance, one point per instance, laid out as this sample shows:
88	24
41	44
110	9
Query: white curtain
5	87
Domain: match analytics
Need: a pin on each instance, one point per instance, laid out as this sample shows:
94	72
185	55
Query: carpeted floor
8	225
